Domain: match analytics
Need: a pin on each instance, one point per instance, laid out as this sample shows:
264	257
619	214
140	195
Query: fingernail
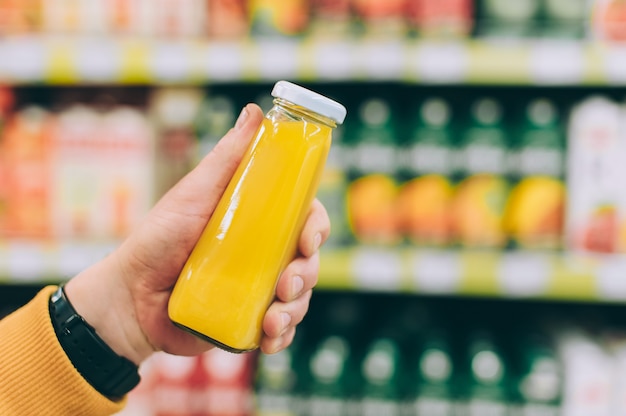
241	120
317	241
296	286
285	319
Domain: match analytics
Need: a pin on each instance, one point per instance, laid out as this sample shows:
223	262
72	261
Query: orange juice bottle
229	280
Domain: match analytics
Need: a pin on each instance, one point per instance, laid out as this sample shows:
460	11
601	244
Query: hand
125	295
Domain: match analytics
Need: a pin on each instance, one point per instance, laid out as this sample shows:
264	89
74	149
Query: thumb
199	191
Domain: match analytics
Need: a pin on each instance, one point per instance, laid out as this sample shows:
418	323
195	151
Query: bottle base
213	341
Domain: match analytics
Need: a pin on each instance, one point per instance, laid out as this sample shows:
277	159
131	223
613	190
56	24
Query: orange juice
229	280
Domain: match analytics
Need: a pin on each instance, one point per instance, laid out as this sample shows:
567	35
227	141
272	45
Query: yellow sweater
36	377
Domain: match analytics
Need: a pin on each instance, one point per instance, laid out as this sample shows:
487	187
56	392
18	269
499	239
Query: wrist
101	299
107	372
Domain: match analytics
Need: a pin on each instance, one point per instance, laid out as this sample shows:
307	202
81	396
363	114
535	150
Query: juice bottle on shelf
229	280
6	105
329	374
434	383
381	375
488	377
534	214
539	382
480	197
372	193
227	19
595	176
278	17
215	117
27	168
502	18
381	17
173	112
276	378
445	19
332	190
425	198
608	20
565	18
331	18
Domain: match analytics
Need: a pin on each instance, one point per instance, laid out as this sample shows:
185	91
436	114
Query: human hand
125	296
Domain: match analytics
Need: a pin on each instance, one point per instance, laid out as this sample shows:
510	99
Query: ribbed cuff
37	376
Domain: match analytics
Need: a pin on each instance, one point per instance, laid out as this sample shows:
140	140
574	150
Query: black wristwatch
109	373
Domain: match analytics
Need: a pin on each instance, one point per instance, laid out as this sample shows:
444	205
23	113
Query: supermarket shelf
67	61
33	261
516	274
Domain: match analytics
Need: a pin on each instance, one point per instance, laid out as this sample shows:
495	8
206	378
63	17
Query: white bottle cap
311	100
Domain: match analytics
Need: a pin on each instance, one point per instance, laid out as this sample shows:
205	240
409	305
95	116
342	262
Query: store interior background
476	189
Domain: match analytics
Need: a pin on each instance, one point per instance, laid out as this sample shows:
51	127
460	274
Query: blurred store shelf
34	261
515	274
78	60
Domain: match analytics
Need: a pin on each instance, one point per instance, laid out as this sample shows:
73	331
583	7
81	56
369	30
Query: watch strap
109	373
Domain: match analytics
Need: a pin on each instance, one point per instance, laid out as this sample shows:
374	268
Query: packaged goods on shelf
480	197
381	17
275	17
478	364
595	177
227	19
172	112
608	20
215	116
445	19
371	195
331	18
25	148
215	383
503	19
424	202
78	172
102	175
534	214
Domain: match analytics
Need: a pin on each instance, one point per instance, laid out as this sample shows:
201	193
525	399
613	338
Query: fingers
210	178
274	345
316	229
300	276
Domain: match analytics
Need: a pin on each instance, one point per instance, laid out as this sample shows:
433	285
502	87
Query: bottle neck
298	112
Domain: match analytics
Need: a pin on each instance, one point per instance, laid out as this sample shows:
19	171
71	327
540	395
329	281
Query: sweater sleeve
36	376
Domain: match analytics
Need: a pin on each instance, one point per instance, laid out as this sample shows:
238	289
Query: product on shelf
331	18
595	176
372	194
441	19
424	202
506	19
534	215
278	17
214	118
172	112
381	375
480	197
539	379
487	376
608	20
227	19
332	190
381	17
434	387
25	185
565	18
215	383
102	172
